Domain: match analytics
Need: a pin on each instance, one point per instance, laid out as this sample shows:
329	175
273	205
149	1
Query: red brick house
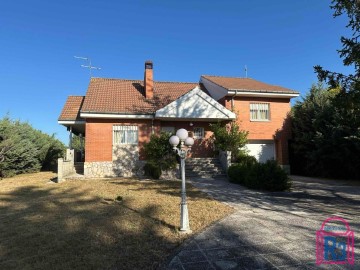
117	116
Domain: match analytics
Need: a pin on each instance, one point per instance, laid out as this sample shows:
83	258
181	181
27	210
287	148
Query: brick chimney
148	80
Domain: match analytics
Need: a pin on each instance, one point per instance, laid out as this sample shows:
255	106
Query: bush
267	176
153	170
272	177
24	149
240	171
159	155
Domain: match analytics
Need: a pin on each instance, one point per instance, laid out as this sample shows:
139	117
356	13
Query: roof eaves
112	112
264	91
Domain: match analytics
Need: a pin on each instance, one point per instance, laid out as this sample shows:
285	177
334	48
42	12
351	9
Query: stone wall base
105	169
99	169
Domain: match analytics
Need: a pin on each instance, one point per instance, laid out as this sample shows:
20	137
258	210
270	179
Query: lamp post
186	142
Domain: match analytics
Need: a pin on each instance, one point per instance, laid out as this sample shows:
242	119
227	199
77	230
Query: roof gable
195	105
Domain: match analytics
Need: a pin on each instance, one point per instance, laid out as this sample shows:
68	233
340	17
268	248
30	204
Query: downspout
152	124
232	100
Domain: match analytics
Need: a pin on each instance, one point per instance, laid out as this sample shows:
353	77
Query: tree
346	105
350	51
24	149
5	146
78	143
228	137
325	136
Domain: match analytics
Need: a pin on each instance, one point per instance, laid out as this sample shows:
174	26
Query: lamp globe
174	140
182	133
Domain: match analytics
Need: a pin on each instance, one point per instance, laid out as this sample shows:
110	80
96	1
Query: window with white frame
198	132
170	130
259	111
125	134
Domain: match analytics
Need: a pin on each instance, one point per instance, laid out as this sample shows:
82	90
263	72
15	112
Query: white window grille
198	132
259	111
125	134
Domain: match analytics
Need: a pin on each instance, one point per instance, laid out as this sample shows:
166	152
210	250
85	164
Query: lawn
95	224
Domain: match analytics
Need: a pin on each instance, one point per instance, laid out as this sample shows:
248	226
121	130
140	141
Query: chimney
148	80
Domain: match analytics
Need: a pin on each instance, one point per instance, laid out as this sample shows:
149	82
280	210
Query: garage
261	150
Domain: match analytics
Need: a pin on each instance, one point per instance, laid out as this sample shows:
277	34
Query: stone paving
271	230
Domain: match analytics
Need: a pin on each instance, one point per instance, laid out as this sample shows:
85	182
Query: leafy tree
78	143
228	137
345	118
5	145
325	141
350	51
24	149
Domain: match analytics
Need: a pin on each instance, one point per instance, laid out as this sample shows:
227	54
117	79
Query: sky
279	41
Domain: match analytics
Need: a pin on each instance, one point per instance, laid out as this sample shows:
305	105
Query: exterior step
203	168
79	167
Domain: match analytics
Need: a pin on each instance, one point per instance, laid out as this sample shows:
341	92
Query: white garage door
261	150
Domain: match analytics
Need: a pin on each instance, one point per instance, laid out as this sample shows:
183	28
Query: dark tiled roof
127	96
247	84
71	110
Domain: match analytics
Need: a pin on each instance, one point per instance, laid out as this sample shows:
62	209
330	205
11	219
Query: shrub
250	173
24	149
153	170
273	177
159	151
159	155
235	173
240	171
228	137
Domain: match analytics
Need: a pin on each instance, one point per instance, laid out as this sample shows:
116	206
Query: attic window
125	134
259	111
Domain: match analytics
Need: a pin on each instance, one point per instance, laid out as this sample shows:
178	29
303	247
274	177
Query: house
117	117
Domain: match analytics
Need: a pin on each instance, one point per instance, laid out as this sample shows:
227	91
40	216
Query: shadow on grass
44	228
167	188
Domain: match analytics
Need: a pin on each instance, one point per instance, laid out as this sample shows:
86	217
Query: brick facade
99	136
277	128
202	147
98	143
99	131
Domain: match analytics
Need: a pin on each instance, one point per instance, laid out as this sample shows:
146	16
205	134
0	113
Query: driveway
271	230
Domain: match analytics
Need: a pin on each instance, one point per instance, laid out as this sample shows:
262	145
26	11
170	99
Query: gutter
261	94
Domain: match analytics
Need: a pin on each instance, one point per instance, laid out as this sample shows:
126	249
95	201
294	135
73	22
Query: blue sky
280	41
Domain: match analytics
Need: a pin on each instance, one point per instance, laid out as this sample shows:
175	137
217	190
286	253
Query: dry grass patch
95	224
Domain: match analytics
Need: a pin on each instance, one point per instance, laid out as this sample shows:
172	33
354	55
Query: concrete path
271	230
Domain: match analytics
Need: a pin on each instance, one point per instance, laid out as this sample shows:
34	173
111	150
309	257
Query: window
125	134
198	132
259	111
170	130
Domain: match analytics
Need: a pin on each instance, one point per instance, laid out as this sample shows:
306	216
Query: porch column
70	137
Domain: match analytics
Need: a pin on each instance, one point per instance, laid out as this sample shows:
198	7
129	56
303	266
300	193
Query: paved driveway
271	230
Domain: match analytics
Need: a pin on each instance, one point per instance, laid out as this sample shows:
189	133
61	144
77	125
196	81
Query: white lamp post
186	142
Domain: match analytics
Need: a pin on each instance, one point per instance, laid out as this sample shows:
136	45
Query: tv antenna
245	71
89	66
